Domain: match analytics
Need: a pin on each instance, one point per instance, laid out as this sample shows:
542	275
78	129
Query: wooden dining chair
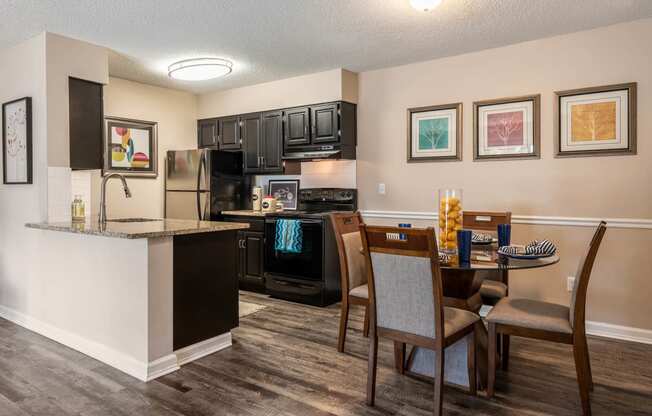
495	285
352	270
406	301
549	322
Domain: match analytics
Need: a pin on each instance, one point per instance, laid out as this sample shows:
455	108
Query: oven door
306	265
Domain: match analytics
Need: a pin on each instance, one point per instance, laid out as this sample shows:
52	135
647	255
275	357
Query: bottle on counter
78	210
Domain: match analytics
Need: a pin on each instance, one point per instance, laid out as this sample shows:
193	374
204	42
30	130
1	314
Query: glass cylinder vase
450	219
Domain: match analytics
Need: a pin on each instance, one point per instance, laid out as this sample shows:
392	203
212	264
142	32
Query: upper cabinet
324	122
301	133
207	131
86	117
229	133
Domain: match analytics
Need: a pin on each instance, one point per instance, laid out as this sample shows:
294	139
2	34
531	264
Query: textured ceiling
274	39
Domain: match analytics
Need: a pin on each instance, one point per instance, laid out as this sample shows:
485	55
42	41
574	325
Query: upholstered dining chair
406	301
495	286
352	270
549	322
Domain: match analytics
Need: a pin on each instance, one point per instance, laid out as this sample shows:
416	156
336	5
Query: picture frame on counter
17	162
130	147
596	121
434	133
286	191
507	128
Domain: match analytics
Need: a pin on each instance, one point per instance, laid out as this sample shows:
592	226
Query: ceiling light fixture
424	5
200	69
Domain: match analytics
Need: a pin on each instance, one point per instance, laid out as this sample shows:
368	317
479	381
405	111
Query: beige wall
176	114
605	187
337	84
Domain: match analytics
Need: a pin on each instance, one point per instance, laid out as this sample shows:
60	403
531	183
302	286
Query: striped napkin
536	247
481	238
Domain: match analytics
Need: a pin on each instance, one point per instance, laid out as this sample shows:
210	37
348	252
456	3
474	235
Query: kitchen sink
134	219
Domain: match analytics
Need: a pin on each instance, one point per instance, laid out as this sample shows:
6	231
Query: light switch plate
381	188
570	283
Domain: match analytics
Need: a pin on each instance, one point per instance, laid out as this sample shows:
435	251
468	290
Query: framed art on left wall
17	142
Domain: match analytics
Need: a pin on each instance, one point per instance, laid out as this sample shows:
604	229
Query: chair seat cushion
493	289
533	314
360	292
457	319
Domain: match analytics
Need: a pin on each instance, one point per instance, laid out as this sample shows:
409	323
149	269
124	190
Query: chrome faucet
103	200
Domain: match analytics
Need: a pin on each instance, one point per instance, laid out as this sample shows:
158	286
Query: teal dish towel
289	236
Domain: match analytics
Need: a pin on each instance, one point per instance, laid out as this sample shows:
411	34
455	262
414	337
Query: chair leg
471	357
588	363
439	382
365	330
582	378
399	356
344	320
371	371
505	352
491	376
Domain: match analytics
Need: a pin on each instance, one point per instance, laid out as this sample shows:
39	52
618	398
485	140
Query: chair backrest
349	245
484	221
578	298
405	288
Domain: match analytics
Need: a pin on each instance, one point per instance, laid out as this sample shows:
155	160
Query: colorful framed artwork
596	121
17	142
286	192
507	128
434	133
130	147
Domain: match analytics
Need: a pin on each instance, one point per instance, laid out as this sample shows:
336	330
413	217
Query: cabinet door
207	133
251	141
325	124
254	249
272	141
297	121
86	124
229	133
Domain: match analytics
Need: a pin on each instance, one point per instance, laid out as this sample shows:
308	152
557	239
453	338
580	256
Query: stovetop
319	202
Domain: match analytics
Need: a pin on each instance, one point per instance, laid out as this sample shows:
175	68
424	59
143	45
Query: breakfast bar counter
144	296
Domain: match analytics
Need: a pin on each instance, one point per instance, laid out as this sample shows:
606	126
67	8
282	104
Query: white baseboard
162	366
202	349
619	332
141	370
119	360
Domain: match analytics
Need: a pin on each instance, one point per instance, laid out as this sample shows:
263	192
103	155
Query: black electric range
313	275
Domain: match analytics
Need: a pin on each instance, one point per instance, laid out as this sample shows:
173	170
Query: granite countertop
245	213
140	227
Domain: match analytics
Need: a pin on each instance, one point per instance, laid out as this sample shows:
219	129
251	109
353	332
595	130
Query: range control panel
339	195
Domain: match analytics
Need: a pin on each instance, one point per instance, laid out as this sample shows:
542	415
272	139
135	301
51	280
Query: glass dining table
461	286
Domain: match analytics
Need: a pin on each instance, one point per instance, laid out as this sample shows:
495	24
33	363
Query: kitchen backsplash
322	174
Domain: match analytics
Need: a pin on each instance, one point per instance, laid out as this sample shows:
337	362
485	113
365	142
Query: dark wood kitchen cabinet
207	131
297	126
229	133
324	123
86	118
250	260
263	142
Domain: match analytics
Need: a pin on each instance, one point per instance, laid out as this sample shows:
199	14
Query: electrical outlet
570	284
381	188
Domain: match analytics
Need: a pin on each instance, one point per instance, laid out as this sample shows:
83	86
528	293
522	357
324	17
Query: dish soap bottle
78	209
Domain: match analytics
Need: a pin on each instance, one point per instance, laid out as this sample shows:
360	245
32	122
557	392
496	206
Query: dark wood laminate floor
284	362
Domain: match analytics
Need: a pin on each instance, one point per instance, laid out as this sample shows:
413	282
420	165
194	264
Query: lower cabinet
251	251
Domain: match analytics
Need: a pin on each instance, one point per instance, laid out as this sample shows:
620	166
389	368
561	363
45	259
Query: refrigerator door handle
199	171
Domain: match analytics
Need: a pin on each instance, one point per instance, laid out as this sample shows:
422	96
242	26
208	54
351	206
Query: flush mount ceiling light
424	5
200	69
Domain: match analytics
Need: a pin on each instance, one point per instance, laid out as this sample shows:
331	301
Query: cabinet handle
244	243
262	160
305	130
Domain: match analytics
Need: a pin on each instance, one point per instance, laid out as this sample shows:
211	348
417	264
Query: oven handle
303	221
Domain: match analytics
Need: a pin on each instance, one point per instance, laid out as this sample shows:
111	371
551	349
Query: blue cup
504	234
464	246
403	236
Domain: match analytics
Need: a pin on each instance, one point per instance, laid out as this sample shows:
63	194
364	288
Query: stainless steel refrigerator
200	184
